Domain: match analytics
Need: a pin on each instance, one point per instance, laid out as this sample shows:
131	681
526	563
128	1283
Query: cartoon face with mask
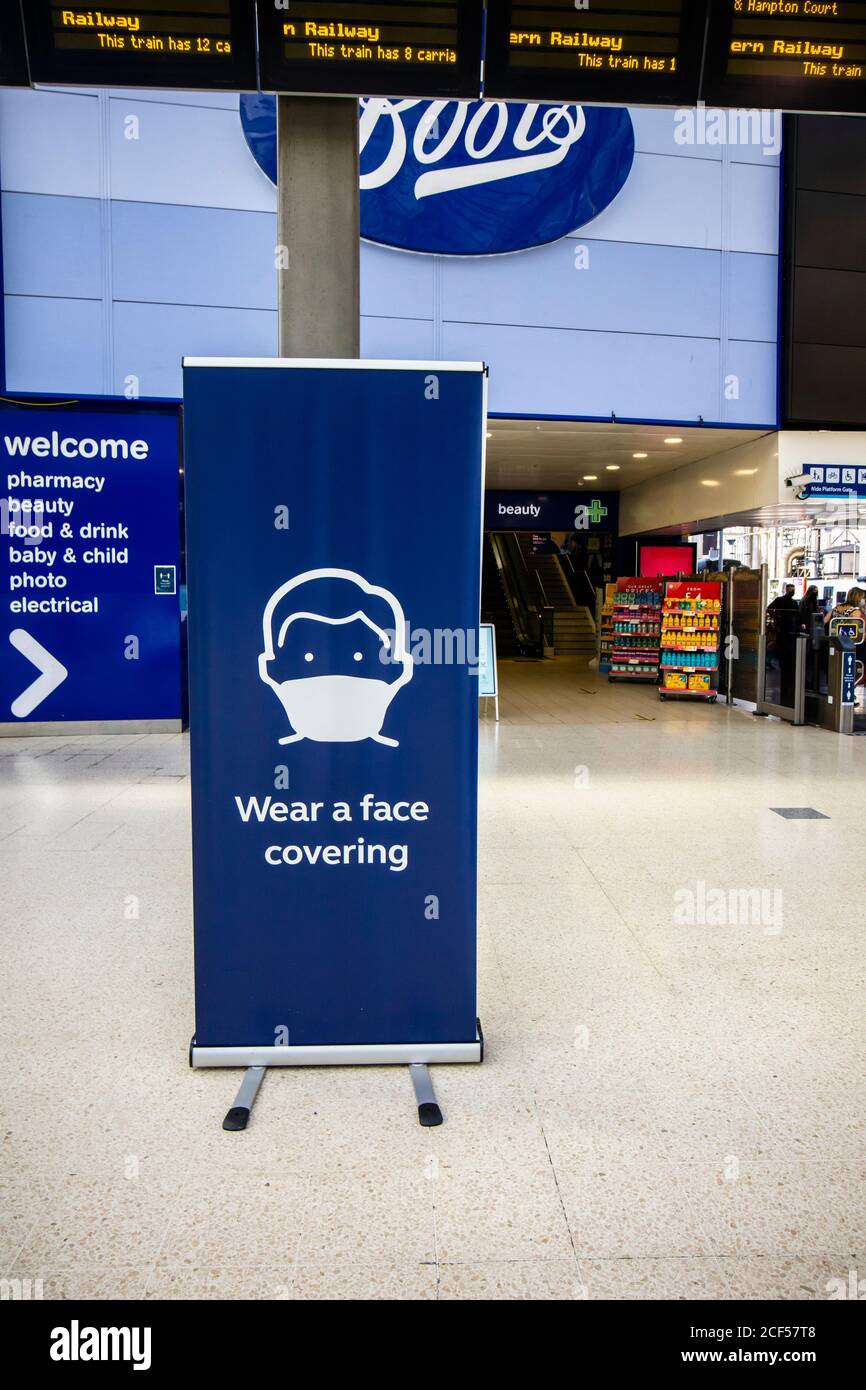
335	655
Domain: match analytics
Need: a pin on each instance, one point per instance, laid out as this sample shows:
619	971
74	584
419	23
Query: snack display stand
690	633
605	629
636	630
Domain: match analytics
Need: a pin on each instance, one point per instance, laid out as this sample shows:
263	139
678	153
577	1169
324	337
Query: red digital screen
666	559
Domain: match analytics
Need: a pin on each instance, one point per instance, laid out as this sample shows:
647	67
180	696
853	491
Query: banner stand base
417	1056
239	1115
425	1096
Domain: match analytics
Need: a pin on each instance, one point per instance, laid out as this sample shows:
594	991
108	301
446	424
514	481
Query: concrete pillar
318	227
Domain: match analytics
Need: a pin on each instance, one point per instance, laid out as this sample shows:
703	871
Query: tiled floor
672	1100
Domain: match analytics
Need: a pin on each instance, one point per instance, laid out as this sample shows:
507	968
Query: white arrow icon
51	673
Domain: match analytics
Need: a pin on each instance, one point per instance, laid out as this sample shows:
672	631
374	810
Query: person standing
853	606
785	601
809	607
784	624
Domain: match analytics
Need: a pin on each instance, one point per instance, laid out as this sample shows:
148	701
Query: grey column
318	227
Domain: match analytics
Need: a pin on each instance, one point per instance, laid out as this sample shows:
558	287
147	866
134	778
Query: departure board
197	44
13	59
797	55
642	52
357	47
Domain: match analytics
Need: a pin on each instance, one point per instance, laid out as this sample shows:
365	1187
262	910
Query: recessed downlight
590	477
612	468
673	439
640	456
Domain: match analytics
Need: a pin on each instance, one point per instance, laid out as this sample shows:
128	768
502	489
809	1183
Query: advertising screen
658	560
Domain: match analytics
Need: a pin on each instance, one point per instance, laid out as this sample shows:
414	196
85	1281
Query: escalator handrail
514	586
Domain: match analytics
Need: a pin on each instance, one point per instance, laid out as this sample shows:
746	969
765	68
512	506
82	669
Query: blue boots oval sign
473	178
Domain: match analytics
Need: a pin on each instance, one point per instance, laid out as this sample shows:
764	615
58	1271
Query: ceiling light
639	456
673	439
590	477
489	434
612	468
709	482
744	472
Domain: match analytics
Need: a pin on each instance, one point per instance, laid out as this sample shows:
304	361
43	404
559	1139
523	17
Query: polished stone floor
673	992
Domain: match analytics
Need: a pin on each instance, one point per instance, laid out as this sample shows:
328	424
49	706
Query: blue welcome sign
474	178
89	566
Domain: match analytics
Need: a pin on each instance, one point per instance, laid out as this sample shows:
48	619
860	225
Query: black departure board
634	53
359	47
13	59
797	55
191	44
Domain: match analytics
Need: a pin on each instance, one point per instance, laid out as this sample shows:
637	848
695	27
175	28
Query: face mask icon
334	655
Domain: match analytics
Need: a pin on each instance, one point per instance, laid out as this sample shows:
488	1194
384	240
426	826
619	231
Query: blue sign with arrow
89	512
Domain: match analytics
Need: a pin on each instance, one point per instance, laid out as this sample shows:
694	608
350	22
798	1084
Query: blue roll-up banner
333	515
89	565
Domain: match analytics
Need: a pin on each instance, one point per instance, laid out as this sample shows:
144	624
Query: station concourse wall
121	255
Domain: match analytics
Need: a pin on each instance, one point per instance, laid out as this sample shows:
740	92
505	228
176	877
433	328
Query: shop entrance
539	590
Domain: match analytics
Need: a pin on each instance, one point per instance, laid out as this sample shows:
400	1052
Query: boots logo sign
473	178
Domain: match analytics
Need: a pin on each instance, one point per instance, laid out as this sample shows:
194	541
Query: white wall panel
668	201
184	154
52	247
549	372
679	289
151	339
408	339
754	208
55	345
396	283
50	142
187	255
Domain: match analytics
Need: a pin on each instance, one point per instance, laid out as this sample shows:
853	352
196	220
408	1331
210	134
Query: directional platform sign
412	48
89	554
800	55
197	44
647	52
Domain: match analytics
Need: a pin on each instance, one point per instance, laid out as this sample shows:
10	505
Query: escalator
530	600
494	604
511	597
560	584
